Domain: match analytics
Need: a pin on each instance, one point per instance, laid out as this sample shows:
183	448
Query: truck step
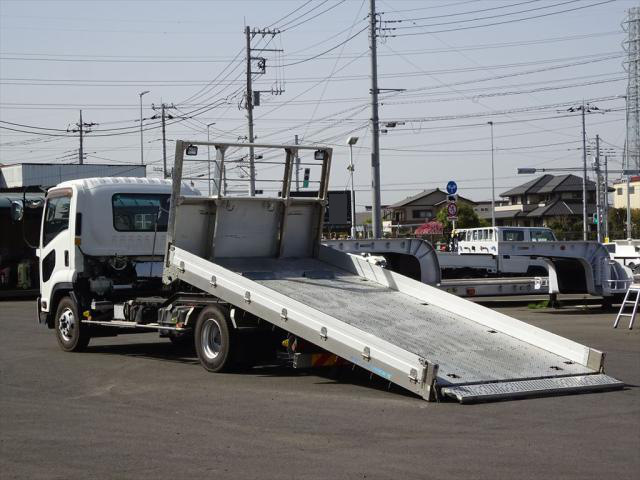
486	392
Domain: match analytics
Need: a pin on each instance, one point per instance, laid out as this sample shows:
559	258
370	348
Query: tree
618	223
467	218
566	228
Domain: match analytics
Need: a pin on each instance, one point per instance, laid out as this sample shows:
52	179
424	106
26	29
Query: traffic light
305	179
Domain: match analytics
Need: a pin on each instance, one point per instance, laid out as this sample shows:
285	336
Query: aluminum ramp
398	328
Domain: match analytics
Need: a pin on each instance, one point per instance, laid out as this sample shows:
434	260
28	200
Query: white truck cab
102	238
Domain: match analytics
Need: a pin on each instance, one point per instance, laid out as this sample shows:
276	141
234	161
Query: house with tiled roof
417	209
542	200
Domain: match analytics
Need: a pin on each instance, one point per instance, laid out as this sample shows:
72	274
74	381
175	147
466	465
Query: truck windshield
139	212
56	218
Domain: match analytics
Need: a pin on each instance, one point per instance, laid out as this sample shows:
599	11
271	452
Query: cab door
56	243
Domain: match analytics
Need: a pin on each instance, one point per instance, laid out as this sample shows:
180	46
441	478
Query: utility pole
628	162
598	191
376	217
141	94
493	183
81	129
295	141
584	109
606	198
163	107
249	100
584	177
252	95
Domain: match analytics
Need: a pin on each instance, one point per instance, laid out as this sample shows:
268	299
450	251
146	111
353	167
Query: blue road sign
452	187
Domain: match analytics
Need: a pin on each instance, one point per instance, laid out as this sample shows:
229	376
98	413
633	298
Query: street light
351	141
209	160
141	140
493	183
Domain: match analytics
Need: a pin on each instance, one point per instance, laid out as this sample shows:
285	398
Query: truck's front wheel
213	339
72	336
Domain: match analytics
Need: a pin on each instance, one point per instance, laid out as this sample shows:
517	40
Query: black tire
72	335
214	339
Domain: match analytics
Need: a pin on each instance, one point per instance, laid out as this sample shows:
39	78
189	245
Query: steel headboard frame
291	152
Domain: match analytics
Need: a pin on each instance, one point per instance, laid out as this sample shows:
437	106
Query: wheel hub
211	338
66	325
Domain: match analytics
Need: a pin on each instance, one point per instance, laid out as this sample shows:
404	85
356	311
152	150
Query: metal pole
493	183
252	171
598	191
375	140
141	138
208	161
81	159
606	198
584	176
626	153
295	141
353	194
164	145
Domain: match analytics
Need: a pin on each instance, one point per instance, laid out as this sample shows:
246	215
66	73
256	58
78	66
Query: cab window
513	235
56	218
139	212
542	235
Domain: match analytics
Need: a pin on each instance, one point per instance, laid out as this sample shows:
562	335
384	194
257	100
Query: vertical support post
173	202
164	143
249	100
584	177
493	183
598	191
376	216
295	141
628	158
220	151
606	198
81	151
353	194
141	136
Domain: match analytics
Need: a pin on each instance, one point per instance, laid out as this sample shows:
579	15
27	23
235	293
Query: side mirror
192	150
17	210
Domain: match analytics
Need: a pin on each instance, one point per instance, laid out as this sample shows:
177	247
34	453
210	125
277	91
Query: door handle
66	258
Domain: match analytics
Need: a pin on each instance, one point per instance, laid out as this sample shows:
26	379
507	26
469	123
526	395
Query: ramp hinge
284	315
181	267
214	281
413	375
247	297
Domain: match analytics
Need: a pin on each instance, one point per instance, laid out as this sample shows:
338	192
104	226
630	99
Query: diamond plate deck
526	388
466	351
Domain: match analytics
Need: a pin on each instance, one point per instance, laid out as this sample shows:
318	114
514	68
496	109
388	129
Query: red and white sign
452	211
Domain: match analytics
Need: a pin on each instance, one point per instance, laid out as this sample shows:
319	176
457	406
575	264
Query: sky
449	67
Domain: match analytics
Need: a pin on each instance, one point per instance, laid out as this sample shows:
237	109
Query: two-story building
620	194
542	200
417	209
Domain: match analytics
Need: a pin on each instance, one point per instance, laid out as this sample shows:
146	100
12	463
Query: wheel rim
211	339
66	324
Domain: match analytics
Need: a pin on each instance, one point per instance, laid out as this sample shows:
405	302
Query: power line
502	22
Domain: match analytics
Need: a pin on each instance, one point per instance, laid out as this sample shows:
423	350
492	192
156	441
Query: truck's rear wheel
213	339
72	335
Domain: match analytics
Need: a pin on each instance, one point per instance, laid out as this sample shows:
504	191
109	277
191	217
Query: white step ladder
634	287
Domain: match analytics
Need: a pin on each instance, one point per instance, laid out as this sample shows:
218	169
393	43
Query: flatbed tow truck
240	274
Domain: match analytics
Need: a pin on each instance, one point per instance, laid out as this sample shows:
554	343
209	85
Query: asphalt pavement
135	407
